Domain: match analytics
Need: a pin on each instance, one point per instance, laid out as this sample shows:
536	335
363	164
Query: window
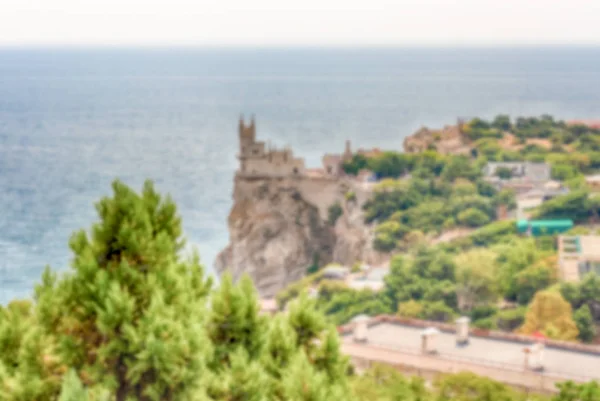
295	170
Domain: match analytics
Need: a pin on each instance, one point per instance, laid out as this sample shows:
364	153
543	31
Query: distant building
528	171
594	124
578	256
335	272
593	181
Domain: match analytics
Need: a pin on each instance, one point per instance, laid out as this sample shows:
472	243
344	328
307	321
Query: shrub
473	217
504	173
438	311
410	309
335	211
510	319
488	323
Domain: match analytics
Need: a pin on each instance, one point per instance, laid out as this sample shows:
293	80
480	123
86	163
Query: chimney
462	330
360	328
428	340
534	357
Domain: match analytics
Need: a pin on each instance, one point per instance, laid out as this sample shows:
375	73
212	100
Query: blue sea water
73	120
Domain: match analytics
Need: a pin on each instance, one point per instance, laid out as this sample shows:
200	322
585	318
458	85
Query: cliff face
278	225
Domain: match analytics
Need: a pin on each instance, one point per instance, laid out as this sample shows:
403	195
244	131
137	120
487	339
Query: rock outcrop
448	140
278	226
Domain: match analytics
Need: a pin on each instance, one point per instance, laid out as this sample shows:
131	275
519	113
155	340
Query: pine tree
235	321
131	322
307	323
131	314
280	347
302	382
72	389
242	380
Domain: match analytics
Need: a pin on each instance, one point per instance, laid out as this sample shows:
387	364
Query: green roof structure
544	227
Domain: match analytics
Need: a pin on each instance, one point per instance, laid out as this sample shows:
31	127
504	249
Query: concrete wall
277	168
429	367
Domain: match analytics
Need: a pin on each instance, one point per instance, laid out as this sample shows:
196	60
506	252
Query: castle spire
348	151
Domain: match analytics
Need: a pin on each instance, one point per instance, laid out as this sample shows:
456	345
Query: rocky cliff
278	226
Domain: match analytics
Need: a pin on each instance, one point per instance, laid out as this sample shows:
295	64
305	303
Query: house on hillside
578	256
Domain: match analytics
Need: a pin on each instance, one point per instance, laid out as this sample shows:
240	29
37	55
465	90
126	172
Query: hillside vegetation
494	275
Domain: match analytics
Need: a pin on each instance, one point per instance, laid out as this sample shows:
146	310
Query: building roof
502	353
588	123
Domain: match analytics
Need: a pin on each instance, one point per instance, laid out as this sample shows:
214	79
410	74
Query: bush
488	323
585	324
504	173
473	217
384	242
483	311
335	211
410	309
350	196
510	319
438	311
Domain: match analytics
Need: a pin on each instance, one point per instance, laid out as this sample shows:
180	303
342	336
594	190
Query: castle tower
247	137
347	152
247	132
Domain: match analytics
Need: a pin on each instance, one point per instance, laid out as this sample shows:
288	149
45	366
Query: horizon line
399	46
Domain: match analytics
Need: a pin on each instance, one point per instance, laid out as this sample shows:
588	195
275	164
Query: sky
299	23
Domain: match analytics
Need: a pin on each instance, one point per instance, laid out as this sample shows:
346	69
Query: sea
74	119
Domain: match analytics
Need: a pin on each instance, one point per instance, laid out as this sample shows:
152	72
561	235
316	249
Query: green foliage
585	323
384	383
391	164
357	163
586	292
504	173
570	391
467	386
350	196
577	205
234	322
473	217
511	319
476	282
72	389
531	280
432	204
428	278
502	122
334	212
341	303
132	321
551	315
564	172
460	167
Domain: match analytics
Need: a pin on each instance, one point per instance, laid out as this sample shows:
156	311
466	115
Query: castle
257	160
